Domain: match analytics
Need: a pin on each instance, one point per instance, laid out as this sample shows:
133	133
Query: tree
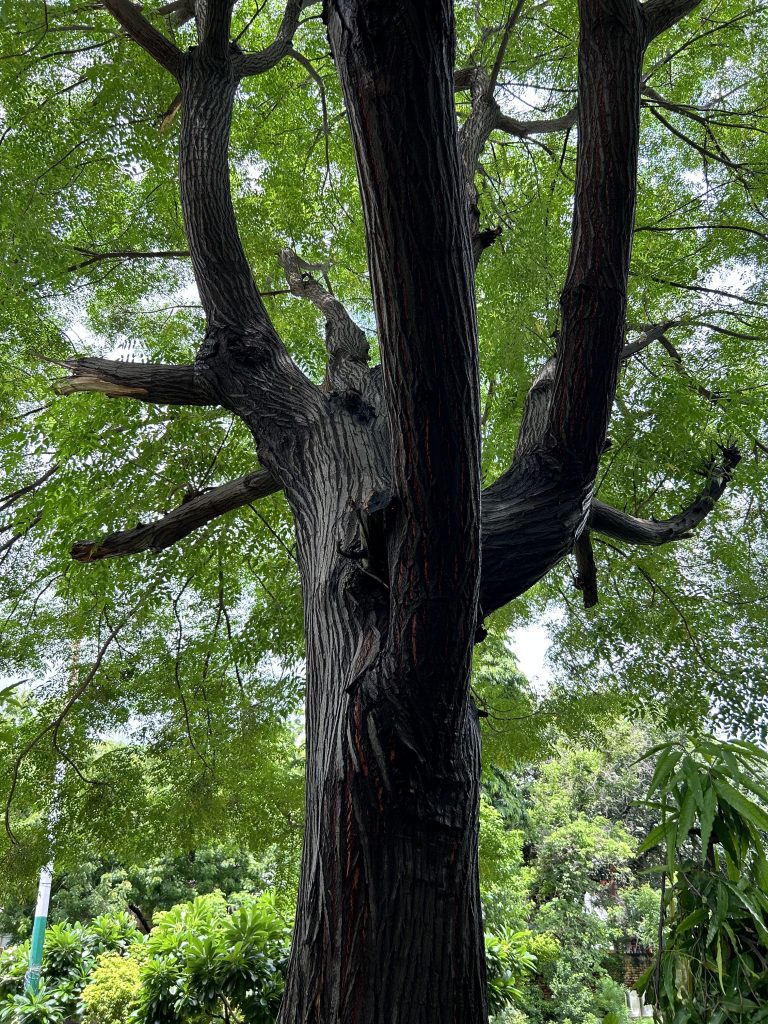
400	556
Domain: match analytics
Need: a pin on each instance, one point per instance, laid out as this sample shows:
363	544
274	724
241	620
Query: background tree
381	469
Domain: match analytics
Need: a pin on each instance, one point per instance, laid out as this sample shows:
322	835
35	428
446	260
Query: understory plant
712	964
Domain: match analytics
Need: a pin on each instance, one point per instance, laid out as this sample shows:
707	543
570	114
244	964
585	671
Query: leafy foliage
509	960
111	992
201	958
201	663
713	800
43	1007
575	889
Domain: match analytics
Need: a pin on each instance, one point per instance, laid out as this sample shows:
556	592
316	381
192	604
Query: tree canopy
184	665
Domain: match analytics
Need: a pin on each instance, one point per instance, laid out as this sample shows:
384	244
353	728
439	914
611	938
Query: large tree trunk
388	924
383	473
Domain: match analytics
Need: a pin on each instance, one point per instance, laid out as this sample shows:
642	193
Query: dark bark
346	343
191	515
586	570
147	382
534	513
145	34
381	470
389	924
663	14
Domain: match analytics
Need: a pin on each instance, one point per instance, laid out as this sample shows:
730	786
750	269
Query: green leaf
695	917
692	775
657	836
742	805
687	815
709	806
665	767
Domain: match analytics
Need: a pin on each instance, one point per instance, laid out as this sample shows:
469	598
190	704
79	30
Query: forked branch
263	60
146	35
663	14
346	342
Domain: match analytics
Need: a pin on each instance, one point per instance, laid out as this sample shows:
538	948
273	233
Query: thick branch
214	18
663	14
158	383
403	127
593	300
346	343
632	530
536	410
543	126
258	63
179	12
227	290
534	513
146	35
181	521
586	570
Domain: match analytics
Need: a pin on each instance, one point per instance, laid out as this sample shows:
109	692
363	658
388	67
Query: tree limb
159	383
420	257
586	575
663	14
650	333
522	129
632	530
511	22
263	60
125	254
214	18
346	343
146	35
189	516
7	500
534	513
178	12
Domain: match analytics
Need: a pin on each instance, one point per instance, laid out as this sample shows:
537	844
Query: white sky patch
530	645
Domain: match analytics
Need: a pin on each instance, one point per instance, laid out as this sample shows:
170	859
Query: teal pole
32	980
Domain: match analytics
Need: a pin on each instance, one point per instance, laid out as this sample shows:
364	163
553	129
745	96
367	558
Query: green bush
713	964
207	957
43	1007
112	990
511	1015
13	966
508	961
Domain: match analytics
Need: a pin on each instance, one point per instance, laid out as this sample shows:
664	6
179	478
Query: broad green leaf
742	805
665	767
686	817
658	835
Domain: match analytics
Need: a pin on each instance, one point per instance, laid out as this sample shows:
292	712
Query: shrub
508	960
112	990
43	1007
207	955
